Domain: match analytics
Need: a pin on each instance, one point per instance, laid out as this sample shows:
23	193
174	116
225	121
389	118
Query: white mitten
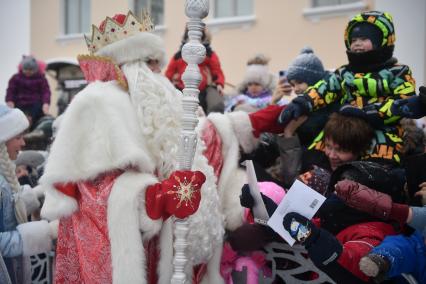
54	229
35	237
30	199
39	191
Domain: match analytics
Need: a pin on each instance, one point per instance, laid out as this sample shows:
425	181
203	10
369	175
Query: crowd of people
108	187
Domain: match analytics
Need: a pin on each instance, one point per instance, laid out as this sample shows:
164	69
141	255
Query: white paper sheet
259	210
301	199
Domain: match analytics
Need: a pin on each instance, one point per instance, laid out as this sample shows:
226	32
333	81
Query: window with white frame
76	16
154	7
232	8
322	3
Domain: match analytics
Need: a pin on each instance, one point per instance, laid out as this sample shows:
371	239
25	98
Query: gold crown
117	28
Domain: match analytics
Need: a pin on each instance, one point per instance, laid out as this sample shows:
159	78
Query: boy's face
361	44
336	156
299	87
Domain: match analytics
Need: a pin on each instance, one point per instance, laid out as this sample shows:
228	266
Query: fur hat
133	46
29	63
30	158
12	122
257	73
306	67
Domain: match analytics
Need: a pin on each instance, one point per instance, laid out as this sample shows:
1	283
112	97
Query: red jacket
358	240
210	65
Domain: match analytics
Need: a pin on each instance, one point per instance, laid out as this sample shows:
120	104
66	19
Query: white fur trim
35	237
54	225
231	178
57	205
142	46
212	275
243	130
86	146
127	251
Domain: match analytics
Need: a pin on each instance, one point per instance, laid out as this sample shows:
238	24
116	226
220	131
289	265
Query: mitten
298	107
369	113
30	199
35	237
323	248
409	108
300	228
364	199
247	201
178	195
349	110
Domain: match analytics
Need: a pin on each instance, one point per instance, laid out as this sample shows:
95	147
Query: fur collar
86	146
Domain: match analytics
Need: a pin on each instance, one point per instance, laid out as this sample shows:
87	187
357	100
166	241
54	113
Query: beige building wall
279	29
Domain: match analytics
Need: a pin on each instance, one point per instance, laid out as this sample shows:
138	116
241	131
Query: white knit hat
12	122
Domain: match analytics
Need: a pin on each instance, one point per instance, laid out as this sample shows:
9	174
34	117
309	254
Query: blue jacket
11	246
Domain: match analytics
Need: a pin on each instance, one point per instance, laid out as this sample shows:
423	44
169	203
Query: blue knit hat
306	67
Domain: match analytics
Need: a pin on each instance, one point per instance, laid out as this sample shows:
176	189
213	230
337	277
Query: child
18	239
305	70
212	77
239	252
368	84
255	91
29	91
396	254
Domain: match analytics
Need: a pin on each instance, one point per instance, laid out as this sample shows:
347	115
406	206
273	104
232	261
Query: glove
323	248
178	195
247	201
412	107
364	199
298	107
35	237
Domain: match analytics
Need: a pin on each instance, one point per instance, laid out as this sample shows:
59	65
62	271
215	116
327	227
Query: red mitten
265	120
178	195
155	202
364	199
183	192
